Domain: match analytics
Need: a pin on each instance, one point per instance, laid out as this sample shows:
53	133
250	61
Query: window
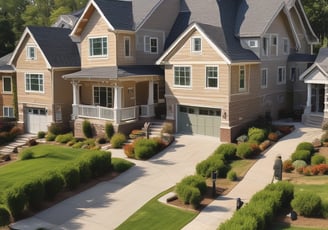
265	46
103	96
264	78
285	45
242	78
8	111
211	77
34	83
151	44
293	74
253	43
196	44
281	78
182	76
30	52
6	84
274	45
98	47
127	42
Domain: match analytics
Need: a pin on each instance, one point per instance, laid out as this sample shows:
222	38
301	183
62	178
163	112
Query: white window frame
194	47
31	55
190	76
274	44
264	78
3	85
127	46
265	46
104	47
207	78
242	69
285	44
281	76
253	43
7	111
151	45
40	82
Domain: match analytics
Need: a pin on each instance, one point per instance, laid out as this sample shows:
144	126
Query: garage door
195	120
36	120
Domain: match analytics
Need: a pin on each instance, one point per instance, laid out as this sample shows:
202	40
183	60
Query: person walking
277	168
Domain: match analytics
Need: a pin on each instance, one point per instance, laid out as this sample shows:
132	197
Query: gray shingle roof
322	59
57	46
4	63
301	57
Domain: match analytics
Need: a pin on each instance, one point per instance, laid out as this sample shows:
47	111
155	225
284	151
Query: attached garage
36	120
197	120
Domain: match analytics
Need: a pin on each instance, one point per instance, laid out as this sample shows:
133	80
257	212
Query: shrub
304	155
256	134
64	138
129	150
242	139
78	145
53	184
324	137
101	140
287	190
31	142
15	200
287	166
59	128
35	192
26	154
121	165
306	146
318	159
84	170
41	134
50	136
264	145
117	140
239	221
167	128
4	216
100	162
307	204
145	148
299	165
71	176
231	175
213	163
87	129
109	130
244	150
273	136
197	182
228	150
324	209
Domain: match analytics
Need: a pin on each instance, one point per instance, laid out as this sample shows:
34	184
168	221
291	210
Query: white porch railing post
117	104
76	101
150	111
308	101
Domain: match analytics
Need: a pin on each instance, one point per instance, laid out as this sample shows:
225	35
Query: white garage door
36	120
203	121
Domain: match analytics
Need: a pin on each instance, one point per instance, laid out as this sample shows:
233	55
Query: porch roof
115	72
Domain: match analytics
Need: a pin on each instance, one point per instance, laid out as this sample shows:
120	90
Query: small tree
87	129
109	129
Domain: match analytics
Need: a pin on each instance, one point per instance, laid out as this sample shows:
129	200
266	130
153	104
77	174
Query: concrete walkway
109	204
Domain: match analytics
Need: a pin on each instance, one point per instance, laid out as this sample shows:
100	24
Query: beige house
229	62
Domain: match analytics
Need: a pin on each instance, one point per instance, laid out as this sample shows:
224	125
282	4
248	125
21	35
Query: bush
64	138
228	150
101	140
287	166
318	159
121	165
84	170
26	154
213	163
59	128
244	150
239	221
197	182
242	139
256	134
15	200
145	148
4	216
109	130
41	134
87	129
264	145
287	190
100	162
129	150
117	140
324	137
307	204
273	136
71	176
232	176
53	184
35	193
304	155
167	128
50	136
324	209
299	164
306	146
78	145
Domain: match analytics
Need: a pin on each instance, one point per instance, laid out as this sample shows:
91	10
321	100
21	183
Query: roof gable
318	71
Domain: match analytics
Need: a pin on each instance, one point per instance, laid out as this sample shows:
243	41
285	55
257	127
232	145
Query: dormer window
151	45
30	53
98	47
253	43
196	44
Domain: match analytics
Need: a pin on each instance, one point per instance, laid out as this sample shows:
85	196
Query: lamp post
214	175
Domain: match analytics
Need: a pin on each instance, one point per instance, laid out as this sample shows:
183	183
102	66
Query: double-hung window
150	44
98	47
182	76
264	78
196	44
281	75
242	78
274	44
265	46
212	77
8	111
285	45
103	96
31	52
34	82
127	48
6	84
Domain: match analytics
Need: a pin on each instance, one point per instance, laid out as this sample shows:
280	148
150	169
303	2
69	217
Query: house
41	57
229	62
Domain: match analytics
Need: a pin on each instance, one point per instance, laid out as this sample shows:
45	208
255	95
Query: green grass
315	184
155	215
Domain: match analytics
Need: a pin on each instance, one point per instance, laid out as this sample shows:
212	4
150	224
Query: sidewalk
255	180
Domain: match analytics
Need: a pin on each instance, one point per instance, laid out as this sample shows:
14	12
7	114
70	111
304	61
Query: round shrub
64	138
228	150
299	164
121	165
53	184
41	134
262	213
244	150
273	136
50	136
287	190
129	150
77	145
145	148
256	134
26	154
269	198
324	209
318	159
100	162
35	192
196	181
71	176
213	163
231	175
4	216
190	190
109	130
195	197
287	166
87	129
324	137
117	140
307	204
84	170
304	155
15	200
306	146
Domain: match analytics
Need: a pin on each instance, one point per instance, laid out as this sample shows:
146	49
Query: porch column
151	110
325	109
117	104
308	101
76	99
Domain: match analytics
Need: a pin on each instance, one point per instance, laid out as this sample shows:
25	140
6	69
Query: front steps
313	120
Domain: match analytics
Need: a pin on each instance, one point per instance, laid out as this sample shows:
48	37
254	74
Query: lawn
315	184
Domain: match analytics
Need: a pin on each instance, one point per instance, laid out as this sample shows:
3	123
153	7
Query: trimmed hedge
117	140
121	165
228	150
26	154
53	184
15	199
212	163
256	134
306	146
4	216
304	155
100	162
64	138
35	193
71	176
307	204
84	168
145	148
